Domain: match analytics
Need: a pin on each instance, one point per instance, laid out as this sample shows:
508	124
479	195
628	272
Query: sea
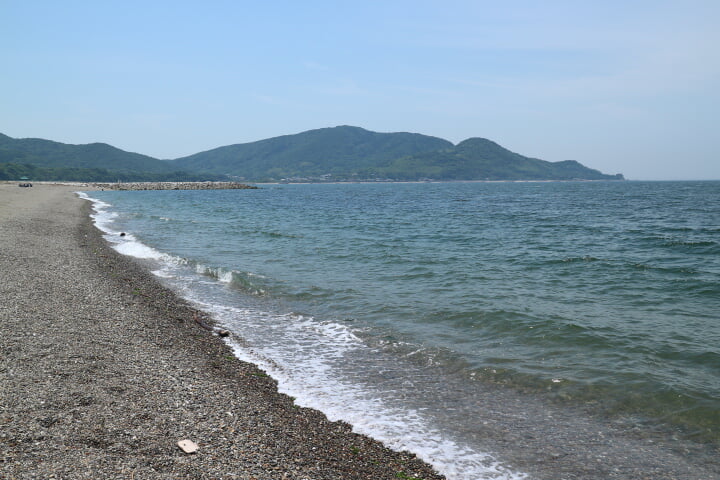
367	301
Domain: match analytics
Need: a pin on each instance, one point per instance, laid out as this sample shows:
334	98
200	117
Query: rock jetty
174	186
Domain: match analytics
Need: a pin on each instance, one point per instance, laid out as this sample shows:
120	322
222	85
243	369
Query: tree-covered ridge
338	151
41	159
328	154
482	159
46	153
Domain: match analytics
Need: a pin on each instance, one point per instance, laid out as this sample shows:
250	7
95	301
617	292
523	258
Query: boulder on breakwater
174	186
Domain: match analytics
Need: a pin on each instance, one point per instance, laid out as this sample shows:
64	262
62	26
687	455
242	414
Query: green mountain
46	153
352	153
47	160
482	159
338	151
328	154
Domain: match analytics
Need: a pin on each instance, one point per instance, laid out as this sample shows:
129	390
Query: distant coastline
337	154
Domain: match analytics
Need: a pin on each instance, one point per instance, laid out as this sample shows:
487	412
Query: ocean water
389	306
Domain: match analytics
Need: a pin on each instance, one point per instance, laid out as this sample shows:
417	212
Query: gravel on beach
103	371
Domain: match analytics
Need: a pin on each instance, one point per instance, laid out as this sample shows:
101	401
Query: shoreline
154	318
104	370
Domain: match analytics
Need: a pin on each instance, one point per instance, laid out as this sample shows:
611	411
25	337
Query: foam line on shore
398	429
104	370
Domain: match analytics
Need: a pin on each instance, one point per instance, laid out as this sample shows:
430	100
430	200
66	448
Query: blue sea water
366	301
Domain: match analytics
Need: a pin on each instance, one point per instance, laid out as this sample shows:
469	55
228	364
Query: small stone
188	446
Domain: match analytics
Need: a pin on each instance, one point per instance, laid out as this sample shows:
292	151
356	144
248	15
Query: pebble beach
103	371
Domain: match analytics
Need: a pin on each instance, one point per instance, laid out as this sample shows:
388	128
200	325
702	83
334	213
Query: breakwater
174	186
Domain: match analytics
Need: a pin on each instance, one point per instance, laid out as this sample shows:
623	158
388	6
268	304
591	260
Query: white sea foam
102	217
136	249
221	274
225	276
307	357
163	273
124	243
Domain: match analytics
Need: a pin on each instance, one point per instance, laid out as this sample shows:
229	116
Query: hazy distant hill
347	153
47	160
46	153
338	151
482	159
327	154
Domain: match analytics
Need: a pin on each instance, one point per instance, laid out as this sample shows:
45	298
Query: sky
624	86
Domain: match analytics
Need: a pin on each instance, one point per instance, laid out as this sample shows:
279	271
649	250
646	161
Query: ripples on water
599	293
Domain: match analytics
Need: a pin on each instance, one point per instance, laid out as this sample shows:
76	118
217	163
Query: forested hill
328	154
352	153
46	153
41	159
338	152
482	159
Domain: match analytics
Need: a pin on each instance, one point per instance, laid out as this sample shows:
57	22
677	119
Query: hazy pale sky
627	86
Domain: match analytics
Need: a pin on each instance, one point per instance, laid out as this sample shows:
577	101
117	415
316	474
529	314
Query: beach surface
103	371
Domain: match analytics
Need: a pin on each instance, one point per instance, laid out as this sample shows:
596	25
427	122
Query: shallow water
389	305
